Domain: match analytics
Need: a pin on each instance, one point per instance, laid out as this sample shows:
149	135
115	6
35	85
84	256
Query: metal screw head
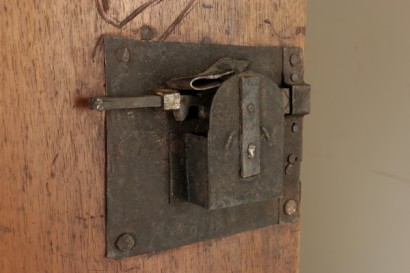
295	127
125	242
294	77
295	59
251	108
123	55
291	207
290	169
251	151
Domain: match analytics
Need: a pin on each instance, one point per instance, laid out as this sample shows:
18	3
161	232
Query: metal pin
251	151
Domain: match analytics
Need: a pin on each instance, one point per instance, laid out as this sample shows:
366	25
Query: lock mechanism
203	141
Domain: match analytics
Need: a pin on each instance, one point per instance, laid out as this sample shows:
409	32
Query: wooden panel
52	149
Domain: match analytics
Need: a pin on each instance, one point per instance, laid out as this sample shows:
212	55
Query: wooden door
52	164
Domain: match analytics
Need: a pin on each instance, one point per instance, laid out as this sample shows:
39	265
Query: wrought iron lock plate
224	160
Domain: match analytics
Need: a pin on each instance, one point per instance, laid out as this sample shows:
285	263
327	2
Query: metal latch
202	141
172	99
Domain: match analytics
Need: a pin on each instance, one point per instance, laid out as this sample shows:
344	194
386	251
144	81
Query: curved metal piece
216	163
211	78
207	82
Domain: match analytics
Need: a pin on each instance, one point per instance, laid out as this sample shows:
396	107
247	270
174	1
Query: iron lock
193	157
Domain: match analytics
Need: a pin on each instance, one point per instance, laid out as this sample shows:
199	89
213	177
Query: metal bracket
203	141
250	142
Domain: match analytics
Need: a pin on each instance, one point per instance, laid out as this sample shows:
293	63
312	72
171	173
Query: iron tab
250	119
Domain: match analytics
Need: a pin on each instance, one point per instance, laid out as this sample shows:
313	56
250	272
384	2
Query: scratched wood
52	149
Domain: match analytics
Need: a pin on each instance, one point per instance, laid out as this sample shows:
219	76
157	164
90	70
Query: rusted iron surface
174	177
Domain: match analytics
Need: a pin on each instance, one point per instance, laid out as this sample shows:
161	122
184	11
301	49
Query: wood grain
52	149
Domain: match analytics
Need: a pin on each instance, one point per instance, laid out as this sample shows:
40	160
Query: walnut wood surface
52	149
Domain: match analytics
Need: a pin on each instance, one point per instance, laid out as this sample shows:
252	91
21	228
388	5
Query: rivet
123	55
291	206
251	151
292	158
295	127
290	169
294	77
125	242
295	59
147	33
251	108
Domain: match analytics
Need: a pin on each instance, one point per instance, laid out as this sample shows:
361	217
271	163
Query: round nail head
292	158
290	169
125	242
294	77
295	59
251	108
